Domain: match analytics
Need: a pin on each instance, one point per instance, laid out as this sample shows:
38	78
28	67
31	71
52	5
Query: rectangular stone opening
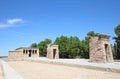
30	51
23	51
54	53
106	51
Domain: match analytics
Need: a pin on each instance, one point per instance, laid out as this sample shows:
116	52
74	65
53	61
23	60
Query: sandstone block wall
15	54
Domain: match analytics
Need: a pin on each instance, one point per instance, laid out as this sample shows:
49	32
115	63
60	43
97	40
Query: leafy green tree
117	30
62	41
43	47
84	52
92	33
114	50
117	40
34	45
74	47
69	47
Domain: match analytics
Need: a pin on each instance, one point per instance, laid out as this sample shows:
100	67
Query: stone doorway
106	51
30	53
54	53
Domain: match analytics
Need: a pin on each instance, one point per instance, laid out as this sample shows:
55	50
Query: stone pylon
52	51
100	49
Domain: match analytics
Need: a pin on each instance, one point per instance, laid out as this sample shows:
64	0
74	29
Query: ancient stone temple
24	52
52	51
100	49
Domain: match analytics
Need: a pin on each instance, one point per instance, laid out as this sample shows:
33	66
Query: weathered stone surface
24	52
52	51
100	49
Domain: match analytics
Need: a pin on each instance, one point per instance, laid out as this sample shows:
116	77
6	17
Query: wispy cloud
10	22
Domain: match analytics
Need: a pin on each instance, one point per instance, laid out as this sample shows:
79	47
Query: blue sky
23	22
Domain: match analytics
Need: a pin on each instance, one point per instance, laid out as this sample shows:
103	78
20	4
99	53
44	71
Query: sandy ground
33	70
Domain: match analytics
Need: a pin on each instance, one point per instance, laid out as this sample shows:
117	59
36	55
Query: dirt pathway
33	70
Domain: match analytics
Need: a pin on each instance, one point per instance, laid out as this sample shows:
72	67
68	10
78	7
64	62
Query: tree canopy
34	45
117	42
117	30
62	42
43	47
92	33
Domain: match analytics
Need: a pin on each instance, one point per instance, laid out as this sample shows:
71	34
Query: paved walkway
46	70
1	71
34	70
9	73
113	67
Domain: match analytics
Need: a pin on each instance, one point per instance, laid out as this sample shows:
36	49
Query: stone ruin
100	49
52	51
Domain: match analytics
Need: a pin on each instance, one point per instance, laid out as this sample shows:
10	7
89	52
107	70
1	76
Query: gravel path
34	70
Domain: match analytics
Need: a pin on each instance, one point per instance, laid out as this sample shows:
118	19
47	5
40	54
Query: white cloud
10	22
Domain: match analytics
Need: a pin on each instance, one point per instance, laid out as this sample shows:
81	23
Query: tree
62	41
92	33
117	30
117	40
34	45
74	47
114	50
84	53
69	47
43	46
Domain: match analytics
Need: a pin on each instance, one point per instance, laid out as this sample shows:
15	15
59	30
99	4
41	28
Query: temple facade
100	49
24	52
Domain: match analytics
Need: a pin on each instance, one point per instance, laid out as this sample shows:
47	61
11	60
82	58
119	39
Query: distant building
24	52
100	49
52	51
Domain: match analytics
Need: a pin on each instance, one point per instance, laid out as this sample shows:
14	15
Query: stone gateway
52	51
100	49
24	52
